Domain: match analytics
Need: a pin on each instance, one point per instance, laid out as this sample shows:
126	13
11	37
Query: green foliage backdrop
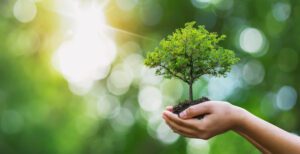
42	111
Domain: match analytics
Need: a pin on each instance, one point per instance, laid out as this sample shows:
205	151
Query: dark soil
184	105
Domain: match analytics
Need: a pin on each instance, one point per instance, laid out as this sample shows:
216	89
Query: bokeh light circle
253	72
108	106
119	80
286	98
123	120
87	56
148	76
196	146
221	88
252	41
24	10
150	98
281	11
165	134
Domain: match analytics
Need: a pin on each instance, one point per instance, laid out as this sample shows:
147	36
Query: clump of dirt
185	104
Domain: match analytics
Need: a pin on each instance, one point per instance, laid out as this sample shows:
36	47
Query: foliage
189	53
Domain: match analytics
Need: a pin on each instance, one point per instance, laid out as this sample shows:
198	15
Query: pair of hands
218	118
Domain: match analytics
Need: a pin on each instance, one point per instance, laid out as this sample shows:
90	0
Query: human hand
218	118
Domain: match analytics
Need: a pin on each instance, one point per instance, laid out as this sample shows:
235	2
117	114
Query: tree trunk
191	91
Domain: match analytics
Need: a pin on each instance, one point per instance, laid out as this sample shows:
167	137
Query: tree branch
174	74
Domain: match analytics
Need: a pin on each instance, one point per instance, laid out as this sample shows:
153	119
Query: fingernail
182	114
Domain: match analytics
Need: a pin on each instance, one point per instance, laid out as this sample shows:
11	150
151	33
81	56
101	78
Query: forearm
253	142
268	136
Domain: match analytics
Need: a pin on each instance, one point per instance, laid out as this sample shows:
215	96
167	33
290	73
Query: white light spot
149	76
281	11
154	121
222	88
150	98
196	146
83	60
123	120
81	88
125	117
108	106
165	134
119	80
286	98
134	64
253	72
252	40
87	56
24	10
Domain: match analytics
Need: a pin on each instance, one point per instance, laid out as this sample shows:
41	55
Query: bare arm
222	116
253	142
268	135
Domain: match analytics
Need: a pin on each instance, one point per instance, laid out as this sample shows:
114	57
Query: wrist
241	116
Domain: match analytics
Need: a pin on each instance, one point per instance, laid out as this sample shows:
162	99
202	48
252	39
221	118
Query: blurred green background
72	79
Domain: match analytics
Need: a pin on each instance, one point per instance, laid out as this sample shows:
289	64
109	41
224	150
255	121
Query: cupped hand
218	118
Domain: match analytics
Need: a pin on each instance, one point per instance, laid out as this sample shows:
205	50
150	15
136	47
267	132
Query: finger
169	108
190	123
193	135
195	110
184	131
183	134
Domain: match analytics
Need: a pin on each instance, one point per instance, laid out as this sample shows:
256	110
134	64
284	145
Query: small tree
189	53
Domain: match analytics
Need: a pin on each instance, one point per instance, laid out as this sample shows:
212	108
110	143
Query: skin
220	117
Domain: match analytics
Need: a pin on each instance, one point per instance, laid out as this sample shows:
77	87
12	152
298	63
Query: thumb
195	110
169	108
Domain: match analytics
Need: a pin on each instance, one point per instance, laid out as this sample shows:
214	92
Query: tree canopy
189	53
